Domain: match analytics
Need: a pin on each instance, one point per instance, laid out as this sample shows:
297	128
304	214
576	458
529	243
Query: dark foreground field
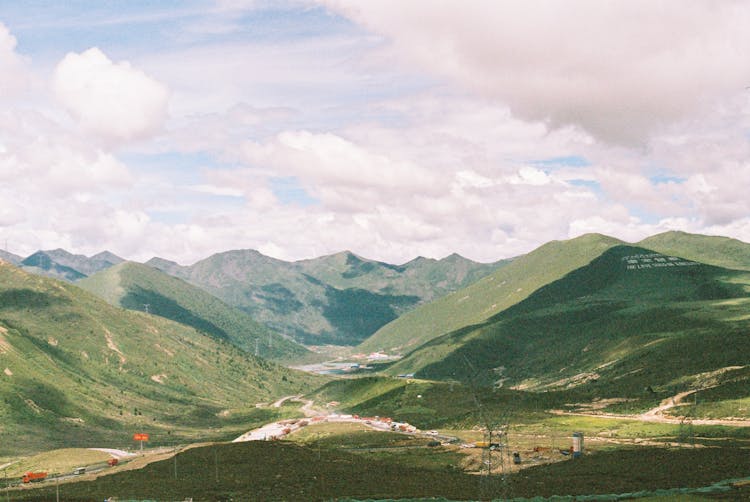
260	471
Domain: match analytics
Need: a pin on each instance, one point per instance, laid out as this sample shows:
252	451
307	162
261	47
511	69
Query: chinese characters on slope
655	260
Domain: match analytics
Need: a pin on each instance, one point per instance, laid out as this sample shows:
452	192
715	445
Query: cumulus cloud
13	71
619	69
329	161
43	157
112	100
456	177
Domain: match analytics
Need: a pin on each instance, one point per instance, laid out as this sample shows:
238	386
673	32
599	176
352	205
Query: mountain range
339	299
591	315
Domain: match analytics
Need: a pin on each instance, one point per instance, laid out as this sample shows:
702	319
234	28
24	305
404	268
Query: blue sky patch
289	192
592	185
661	179
567	161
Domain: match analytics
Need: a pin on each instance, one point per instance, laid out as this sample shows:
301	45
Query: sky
392	129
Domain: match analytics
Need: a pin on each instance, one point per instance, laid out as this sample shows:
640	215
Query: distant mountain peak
107	255
10	257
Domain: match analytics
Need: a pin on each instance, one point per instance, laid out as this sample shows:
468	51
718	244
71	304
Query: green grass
430	405
390	447
644	334
285	471
83	373
56	461
269	471
718	251
354	436
488	296
139	287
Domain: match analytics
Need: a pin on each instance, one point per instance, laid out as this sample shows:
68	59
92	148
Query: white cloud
14	75
382	159
329	162
112	100
214	190
619	69
529	176
42	157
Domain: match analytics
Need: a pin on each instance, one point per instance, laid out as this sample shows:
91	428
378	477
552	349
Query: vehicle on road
34	477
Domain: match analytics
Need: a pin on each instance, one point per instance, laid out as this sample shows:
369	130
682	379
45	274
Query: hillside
138	287
712	250
630	320
339	299
505	287
75	370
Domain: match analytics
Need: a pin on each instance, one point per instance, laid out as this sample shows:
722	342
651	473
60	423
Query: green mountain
494	293
75	370
426	278
42	263
339	299
719	251
61	264
629	320
139	287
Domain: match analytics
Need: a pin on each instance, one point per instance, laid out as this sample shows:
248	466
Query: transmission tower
496	456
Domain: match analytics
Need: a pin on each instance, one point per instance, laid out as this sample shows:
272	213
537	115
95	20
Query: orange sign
140	437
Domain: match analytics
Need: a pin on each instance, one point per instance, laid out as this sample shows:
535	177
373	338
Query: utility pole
216	463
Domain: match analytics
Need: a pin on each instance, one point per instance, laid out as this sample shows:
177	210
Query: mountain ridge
139	287
628	320
479	300
339	298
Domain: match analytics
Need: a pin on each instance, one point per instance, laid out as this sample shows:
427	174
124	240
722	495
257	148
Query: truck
34	477
113	462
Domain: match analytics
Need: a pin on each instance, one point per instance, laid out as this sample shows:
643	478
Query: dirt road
656	414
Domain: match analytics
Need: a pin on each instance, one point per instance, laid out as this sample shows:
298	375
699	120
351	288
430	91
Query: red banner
140	437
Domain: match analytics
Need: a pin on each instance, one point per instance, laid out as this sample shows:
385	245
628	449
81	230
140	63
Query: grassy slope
76	371
616	330
718	251
132	285
298	473
488	296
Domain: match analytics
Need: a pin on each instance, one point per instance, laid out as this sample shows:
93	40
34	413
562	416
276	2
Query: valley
641	348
